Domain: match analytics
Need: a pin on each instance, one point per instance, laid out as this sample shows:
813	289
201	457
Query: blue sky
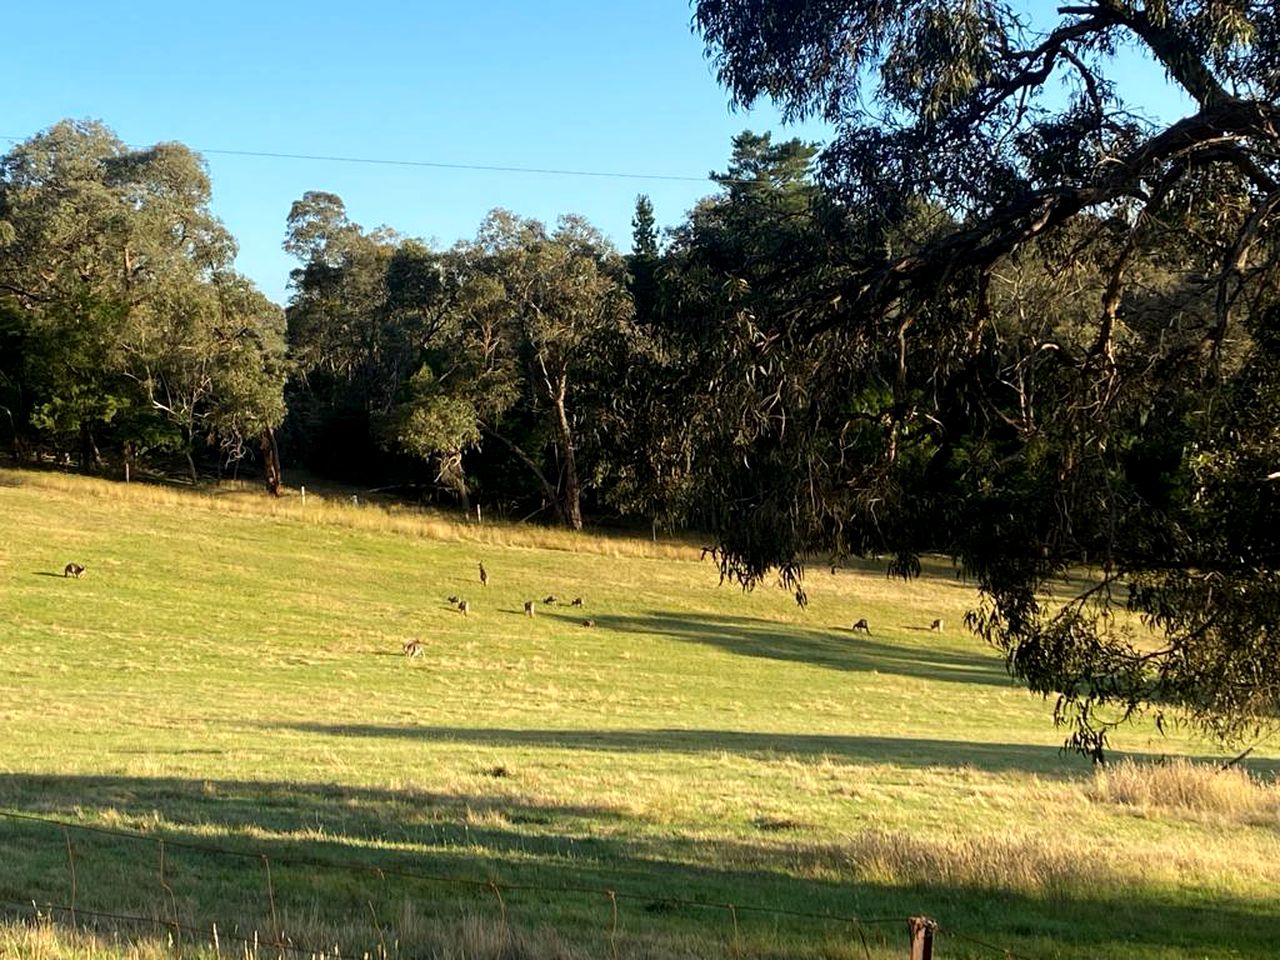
619	86
567	84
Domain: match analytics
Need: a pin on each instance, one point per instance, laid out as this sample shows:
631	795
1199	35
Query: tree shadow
900	751
835	647
304	857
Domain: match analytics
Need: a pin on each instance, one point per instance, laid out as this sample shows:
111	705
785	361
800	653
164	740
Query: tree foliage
1049	333
438	354
117	288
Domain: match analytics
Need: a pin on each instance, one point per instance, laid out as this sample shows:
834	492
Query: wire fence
71	910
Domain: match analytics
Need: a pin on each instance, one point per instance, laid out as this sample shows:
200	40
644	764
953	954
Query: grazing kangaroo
484	576
588	623
863	626
528	608
453	600
550	599
73	570
413	648
936	626
577	602
464	607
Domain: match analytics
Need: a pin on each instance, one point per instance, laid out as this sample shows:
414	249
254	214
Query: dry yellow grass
1181	786
471	938
240	499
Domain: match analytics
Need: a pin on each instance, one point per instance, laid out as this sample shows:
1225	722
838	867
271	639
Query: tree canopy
495	343
125	318
1068	309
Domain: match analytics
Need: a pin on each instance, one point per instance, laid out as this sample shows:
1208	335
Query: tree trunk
572	488
191	465
129	451
90	458
527	460
464	495
452	476
17	440
271	462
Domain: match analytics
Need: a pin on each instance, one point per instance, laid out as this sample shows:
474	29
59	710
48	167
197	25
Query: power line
434	164
491	168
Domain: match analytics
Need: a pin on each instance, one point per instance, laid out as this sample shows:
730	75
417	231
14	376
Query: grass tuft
1182	786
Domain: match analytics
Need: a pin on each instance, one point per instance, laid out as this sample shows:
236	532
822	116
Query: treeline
536	369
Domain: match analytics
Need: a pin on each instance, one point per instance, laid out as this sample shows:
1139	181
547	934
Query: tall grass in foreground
472	938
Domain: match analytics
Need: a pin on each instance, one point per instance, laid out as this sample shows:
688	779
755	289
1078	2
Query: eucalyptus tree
62	279
746	259
567	298
351	354
1068	308
525	314
118	275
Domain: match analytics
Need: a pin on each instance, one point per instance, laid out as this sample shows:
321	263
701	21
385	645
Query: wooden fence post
921	929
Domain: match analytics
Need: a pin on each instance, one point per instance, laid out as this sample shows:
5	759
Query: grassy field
228	677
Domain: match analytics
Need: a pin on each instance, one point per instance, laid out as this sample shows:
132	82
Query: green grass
228	673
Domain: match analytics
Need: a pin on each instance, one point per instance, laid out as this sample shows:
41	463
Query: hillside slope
229	673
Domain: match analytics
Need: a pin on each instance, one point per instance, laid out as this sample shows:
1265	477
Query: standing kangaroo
484	576
936	626
465	607
528	608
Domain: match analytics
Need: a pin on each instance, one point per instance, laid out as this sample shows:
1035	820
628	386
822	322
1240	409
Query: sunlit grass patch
243	499
231	672
1181	786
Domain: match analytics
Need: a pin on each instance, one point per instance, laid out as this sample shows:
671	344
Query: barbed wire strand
1003	951
461	881
492	885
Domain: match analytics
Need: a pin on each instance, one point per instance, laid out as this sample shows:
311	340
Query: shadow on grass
835	647
358	856
900	751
